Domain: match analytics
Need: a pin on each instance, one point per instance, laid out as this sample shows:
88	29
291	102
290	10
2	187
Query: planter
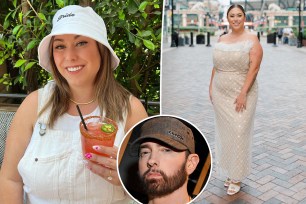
292	41
200	39
271	37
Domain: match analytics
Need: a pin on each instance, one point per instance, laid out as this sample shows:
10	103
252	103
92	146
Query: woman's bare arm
256	54
211	81
136	114
11	185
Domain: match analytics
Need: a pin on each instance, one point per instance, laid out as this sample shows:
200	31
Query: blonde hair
113	99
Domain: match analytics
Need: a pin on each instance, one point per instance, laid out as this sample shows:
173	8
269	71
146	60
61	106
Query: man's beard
166	185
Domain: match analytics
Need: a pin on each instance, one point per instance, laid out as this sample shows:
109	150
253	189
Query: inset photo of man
164	159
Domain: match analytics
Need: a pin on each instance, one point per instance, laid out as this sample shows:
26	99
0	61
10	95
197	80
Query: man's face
161	169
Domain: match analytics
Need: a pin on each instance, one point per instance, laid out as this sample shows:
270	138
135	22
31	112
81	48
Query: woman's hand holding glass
106	167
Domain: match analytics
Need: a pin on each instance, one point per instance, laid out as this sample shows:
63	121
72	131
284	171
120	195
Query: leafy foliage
134	31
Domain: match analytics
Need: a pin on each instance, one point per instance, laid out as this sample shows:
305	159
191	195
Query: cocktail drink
101	131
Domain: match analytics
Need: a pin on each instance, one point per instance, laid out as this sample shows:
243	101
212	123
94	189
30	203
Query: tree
134	30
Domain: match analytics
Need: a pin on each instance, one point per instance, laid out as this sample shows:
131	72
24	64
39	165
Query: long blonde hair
113	99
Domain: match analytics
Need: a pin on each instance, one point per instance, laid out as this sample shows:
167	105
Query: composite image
153	102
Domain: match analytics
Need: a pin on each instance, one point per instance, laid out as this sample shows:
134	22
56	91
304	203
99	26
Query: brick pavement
279	143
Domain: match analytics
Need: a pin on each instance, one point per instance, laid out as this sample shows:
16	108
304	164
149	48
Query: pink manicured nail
96	147
88	155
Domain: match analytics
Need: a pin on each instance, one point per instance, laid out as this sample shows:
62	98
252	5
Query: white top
52	167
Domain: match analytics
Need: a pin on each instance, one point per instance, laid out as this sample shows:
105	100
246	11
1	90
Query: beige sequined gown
233	130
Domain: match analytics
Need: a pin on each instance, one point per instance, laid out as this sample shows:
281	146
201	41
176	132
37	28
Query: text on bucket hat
76	20
168	130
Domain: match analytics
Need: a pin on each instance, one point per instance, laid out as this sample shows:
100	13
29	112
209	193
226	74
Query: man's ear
192	163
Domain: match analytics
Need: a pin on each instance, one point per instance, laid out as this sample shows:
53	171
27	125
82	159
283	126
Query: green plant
134	31
138	31
273	30
23	29
262	29
295	31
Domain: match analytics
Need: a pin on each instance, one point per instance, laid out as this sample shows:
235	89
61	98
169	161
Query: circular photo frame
149	165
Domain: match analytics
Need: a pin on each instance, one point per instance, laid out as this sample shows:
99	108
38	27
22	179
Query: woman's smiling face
236	18
77	58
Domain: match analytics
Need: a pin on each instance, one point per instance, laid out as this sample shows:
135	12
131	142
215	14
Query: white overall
52	167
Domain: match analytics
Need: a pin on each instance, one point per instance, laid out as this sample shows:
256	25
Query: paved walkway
279	153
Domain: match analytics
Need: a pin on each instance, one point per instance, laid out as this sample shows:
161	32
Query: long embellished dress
234	130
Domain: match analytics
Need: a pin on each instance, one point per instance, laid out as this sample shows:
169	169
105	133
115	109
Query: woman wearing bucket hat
43	155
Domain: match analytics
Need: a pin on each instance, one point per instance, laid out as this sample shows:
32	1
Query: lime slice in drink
108	128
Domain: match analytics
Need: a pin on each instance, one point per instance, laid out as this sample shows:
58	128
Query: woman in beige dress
233	93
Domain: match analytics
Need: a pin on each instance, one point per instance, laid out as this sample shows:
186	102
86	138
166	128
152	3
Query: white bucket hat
79	21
